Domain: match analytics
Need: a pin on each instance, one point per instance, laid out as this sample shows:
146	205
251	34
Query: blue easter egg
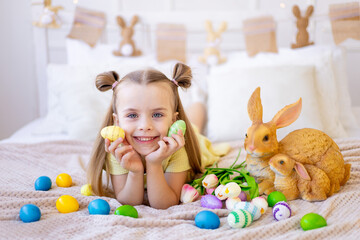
30	213
207	220
99	206
43	183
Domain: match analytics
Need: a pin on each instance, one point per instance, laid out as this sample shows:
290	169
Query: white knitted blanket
22	164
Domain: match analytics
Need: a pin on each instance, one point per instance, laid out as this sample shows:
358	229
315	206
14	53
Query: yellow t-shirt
178	162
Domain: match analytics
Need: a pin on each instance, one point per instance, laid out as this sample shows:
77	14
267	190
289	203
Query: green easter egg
127	210
275	197
312	221
179	124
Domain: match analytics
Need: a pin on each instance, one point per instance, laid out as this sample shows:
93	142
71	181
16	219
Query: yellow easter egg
86	190
112	133
64	180
67	204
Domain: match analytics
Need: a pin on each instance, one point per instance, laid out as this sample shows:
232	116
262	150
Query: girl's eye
157	115
132	115
281	162
246	135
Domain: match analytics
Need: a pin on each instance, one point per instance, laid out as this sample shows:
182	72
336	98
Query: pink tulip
210	190
188	194
210	181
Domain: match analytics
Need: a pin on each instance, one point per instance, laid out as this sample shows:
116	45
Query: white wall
18	90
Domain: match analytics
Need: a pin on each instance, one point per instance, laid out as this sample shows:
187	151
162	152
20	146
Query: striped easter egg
251	208
239	218
281	211
112	133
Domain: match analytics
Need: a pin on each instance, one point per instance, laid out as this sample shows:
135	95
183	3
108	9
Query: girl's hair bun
105	80
182	75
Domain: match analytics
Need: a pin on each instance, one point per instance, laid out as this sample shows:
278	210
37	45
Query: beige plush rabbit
302	36
127	45
211	52
306	146
307	181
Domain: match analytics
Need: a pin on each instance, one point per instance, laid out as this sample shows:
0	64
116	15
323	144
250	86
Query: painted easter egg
232	189
231	202
207	220
127	210
64	180
251	208
43	183
243	196
67	204
239	218
99	207
86	190
281	211
275	197
210	201
261	203
312	221
178	125
30	213
112	133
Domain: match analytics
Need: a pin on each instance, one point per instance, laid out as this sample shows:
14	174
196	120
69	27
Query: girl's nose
145	125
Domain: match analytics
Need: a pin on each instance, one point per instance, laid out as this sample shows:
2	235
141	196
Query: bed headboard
50	44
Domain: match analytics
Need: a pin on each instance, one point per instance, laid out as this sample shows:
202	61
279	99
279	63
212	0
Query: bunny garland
306	146
302	36
211	52
127	45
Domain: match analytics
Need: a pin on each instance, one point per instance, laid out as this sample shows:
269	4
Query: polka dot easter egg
251	208
178	125
239	218
112	133
281	211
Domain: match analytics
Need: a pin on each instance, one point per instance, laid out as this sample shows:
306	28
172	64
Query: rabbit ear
208	26
296	11
222	28
255	109
301	170
287	115
134	20
121	21
309	11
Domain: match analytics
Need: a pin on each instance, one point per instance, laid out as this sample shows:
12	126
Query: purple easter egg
243	196
281	211
211	201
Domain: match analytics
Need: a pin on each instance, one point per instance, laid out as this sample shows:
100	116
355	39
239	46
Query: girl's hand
128	158
168	146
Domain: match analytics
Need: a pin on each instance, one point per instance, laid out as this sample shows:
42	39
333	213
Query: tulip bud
188	194
210	181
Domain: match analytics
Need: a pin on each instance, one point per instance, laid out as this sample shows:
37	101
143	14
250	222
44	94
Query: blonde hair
104	81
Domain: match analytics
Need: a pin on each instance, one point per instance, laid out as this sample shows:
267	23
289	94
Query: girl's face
145	112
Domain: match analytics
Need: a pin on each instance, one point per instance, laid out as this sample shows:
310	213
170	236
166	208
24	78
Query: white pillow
231	87
77	108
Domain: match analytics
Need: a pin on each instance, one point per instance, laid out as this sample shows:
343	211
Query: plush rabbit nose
252	147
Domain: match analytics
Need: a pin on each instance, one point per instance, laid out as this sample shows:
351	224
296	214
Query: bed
61	141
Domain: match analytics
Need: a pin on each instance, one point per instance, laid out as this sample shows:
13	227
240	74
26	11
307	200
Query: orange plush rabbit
306	146
127	45
307	181
302	36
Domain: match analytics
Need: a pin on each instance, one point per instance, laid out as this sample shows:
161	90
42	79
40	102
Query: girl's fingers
120	152
171	141
114	145
179	139
107	144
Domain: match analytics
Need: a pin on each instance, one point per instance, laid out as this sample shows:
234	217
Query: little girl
145	104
